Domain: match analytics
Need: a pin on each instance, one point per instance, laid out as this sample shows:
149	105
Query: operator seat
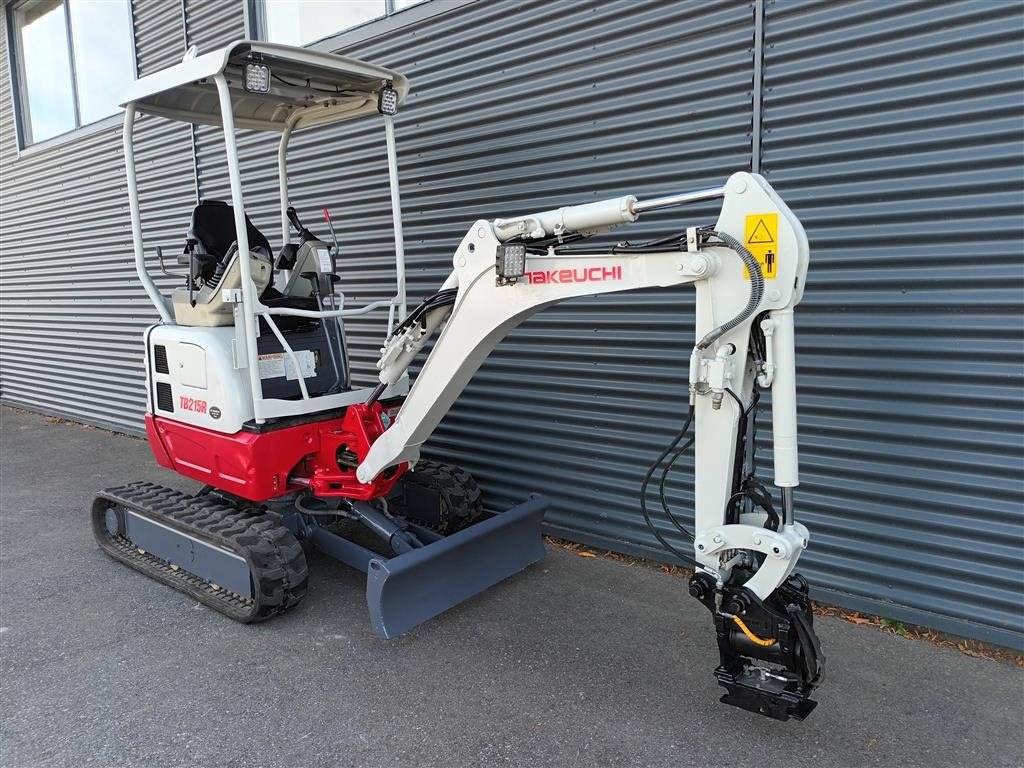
212	235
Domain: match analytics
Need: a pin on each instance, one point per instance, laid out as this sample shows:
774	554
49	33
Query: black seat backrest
213	228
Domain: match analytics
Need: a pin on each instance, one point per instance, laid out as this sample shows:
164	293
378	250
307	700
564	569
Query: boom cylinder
593	216
573	218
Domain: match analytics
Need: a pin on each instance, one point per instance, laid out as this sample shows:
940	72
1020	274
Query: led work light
387	100
257	76
510	262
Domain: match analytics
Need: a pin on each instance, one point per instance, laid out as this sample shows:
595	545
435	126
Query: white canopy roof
320	87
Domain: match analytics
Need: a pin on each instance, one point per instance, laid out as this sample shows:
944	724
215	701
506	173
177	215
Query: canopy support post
396	215
282	173
249	298
152	291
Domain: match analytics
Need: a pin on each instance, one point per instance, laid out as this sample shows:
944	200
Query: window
300	22
74	60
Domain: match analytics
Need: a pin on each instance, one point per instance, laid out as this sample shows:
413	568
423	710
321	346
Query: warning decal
761	236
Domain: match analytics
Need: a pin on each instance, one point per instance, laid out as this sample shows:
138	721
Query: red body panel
269	464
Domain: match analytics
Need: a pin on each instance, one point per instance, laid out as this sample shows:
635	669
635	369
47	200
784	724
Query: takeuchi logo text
586	275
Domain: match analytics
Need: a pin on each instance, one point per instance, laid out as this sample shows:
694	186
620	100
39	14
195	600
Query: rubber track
462	500
276	561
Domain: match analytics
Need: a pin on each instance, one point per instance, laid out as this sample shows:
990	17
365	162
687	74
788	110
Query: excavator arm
744	551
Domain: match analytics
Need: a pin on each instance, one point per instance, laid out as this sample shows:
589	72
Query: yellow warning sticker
761	236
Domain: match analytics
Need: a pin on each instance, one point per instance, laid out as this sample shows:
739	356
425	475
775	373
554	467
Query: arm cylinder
657	203
591	216
784	400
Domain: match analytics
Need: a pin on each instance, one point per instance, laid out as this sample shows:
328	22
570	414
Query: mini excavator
249	391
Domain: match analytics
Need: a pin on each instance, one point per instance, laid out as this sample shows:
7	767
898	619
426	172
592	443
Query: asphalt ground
575	662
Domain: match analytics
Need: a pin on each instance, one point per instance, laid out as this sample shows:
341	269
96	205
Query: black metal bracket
774	678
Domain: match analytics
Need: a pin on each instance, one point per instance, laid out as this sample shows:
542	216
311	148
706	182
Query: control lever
332	280
163	268
190	246
314	283
334	235
304	234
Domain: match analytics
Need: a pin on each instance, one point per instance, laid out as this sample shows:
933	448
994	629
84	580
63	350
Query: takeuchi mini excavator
249	390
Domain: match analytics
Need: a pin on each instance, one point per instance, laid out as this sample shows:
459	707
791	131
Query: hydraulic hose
756	288
763	642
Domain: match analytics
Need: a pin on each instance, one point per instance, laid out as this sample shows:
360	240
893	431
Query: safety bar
317	315
282	170
396	212
365	310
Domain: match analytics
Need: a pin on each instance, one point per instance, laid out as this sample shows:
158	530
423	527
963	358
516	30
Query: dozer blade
406	590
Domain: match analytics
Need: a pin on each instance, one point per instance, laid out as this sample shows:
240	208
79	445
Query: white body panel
203	380
200	354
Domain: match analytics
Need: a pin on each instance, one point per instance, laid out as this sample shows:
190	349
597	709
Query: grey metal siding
214	23
71	309
895	132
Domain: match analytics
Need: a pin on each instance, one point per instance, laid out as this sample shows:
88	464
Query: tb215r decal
192	404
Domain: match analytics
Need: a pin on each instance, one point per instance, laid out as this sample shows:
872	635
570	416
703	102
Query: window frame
16	76
256	22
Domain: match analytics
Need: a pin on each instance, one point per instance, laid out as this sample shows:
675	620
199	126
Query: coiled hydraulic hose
756	288
763	642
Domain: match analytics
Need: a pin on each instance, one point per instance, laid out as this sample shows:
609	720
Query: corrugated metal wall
71	308
895	133
649	98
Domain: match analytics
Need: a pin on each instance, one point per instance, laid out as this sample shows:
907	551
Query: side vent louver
160	359
164	398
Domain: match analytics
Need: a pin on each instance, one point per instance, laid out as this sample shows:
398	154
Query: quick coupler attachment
771	659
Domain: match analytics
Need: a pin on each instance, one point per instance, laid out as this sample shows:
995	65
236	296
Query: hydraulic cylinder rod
671	201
